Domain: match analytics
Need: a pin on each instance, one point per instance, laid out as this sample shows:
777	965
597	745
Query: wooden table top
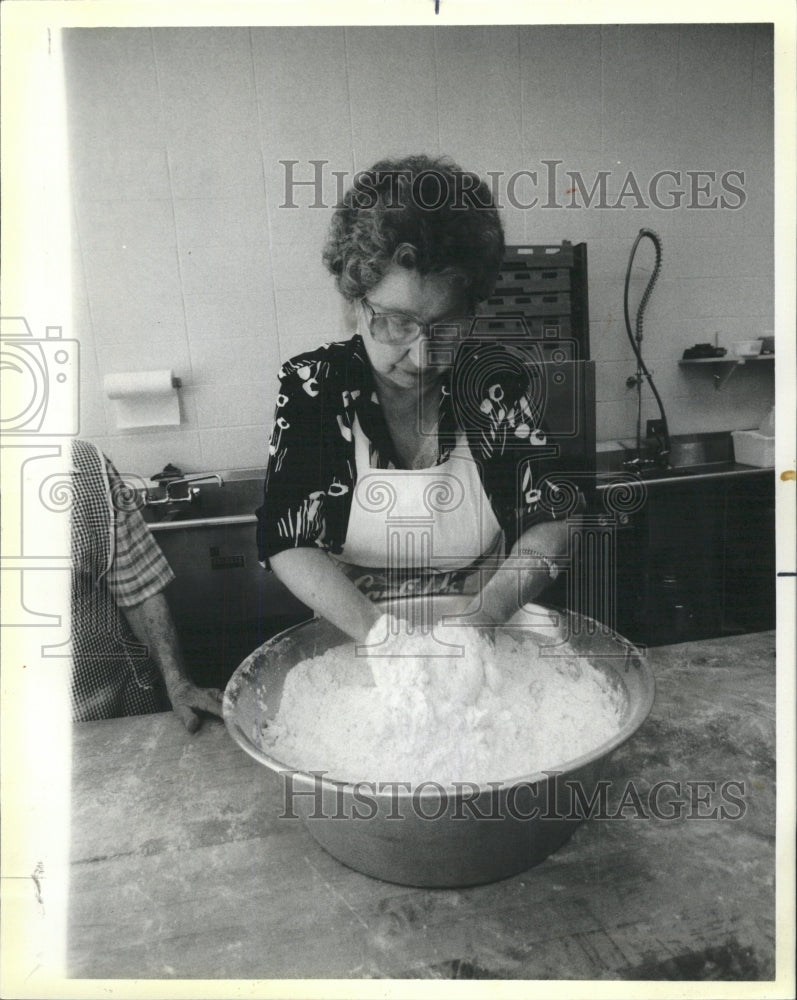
181	868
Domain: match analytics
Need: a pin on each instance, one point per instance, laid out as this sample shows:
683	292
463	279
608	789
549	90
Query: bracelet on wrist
547	561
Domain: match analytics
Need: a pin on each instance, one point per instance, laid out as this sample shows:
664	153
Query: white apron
436	520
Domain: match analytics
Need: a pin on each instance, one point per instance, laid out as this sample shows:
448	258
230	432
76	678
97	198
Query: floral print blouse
311	471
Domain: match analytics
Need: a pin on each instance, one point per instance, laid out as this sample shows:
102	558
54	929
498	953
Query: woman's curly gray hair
423	213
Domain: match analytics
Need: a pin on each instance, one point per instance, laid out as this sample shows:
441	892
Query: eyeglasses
398	329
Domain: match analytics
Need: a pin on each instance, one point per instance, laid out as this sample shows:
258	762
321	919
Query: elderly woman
404	460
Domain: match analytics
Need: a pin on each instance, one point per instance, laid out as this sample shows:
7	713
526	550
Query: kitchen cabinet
698	559
748	554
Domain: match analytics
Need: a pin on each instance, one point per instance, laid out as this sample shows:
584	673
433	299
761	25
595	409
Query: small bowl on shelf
747	348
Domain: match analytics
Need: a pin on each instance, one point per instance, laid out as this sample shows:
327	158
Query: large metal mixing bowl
429	835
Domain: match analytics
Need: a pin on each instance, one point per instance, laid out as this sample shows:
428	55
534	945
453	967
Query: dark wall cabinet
698	560
748	566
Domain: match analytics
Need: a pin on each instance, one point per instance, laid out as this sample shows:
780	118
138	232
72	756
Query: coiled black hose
635	342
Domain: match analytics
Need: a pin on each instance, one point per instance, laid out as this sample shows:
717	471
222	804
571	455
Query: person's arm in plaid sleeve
136	579
152	624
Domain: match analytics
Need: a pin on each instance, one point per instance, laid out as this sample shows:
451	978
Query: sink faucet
200	479
663	451
638	459
190	493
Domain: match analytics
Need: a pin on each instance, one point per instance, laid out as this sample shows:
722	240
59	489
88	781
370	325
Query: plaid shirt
115	564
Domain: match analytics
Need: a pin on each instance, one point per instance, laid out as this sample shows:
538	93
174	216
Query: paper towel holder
144	399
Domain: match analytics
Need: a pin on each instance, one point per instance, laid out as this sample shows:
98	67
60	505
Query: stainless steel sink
690	455
239	496
223	602
689	450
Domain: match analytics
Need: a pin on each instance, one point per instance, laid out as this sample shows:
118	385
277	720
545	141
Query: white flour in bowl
493	712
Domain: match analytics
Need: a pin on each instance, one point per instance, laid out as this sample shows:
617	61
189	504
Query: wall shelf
721	380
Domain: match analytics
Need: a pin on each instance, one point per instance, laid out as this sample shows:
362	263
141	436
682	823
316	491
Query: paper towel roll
143	399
